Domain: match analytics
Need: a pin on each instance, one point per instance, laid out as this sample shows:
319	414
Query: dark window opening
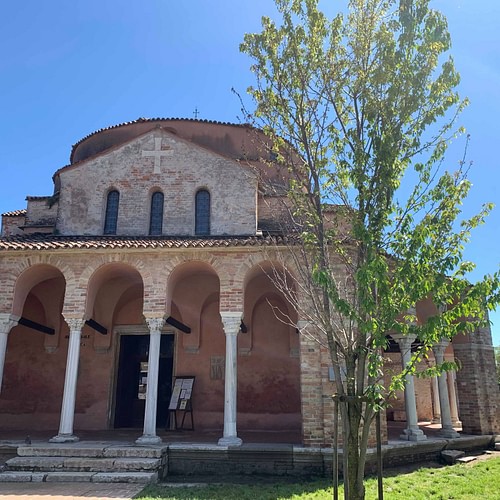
111	219
202	213
156	220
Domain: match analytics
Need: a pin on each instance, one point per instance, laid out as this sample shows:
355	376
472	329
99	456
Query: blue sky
68	68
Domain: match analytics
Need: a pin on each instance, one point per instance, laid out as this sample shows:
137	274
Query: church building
138	293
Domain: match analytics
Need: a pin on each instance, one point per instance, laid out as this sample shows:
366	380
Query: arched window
111	219
202	213
156	219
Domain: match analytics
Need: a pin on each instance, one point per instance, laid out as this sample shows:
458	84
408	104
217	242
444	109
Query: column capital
439	349
231	322
404	341
155	324
7	322
75	324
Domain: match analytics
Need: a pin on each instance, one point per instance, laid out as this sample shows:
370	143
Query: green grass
480	480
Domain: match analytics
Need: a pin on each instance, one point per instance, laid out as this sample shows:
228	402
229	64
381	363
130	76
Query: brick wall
41	211
186	169
11	224
478	391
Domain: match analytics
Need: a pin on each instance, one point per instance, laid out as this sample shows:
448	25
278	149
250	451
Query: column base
64	438
449	433
413	435
148	439
436	420
230	441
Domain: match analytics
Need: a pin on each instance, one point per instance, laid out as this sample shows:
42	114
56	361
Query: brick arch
10	276
52	260
133	261
28	278
263	266
183	267
108	270
257	260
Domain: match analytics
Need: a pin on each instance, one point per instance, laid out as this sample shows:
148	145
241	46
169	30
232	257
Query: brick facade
75	273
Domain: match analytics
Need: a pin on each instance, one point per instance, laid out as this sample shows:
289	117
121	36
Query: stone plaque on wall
217	365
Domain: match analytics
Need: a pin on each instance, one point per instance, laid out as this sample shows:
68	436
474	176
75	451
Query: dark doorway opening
132	380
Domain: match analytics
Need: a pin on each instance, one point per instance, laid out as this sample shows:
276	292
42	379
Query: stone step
90	450
93	477
82	464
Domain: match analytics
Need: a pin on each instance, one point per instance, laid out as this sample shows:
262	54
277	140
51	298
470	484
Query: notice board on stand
181	399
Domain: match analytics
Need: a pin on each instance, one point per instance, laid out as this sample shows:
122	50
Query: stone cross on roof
157	154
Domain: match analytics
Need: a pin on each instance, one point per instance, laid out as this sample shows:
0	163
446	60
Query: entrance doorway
133	378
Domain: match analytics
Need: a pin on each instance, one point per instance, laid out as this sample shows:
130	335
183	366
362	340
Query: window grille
111	219
156	219
202	213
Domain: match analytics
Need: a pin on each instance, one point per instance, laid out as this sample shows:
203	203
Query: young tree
359	110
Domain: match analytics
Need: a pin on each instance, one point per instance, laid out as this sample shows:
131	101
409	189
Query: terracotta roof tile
41	242
15	213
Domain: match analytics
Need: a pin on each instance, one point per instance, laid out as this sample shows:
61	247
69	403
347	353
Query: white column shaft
436	407
149	436
7	322
3	349
230	387
412	431
455	419
70	379
444	399
410	399
231	322
152	386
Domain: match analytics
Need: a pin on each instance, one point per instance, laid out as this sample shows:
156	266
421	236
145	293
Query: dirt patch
486	455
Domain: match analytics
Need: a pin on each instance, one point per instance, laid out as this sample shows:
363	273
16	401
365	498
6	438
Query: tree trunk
353	480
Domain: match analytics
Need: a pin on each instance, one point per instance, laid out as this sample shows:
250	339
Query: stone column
7	322
452	391
436	408
69	396
412	431
231	322
447	430
149	436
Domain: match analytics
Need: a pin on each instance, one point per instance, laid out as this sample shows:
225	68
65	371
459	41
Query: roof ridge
145	120
46	241
14	213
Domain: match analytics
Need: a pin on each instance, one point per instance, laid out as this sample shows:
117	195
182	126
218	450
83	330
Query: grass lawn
477	480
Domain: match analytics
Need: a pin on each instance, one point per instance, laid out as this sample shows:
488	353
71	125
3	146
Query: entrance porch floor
191	454
394	430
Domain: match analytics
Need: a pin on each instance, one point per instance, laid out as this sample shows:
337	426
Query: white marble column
231	322
7	322
412	431
436	407
149	436
447	429
452	391
69	397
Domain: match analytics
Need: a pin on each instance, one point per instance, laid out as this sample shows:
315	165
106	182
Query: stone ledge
133	452
451	456
125	477
73	477
35	463
60	451
21	477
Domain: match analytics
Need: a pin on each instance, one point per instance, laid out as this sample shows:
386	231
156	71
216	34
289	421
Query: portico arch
269	365
34	362
193	297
